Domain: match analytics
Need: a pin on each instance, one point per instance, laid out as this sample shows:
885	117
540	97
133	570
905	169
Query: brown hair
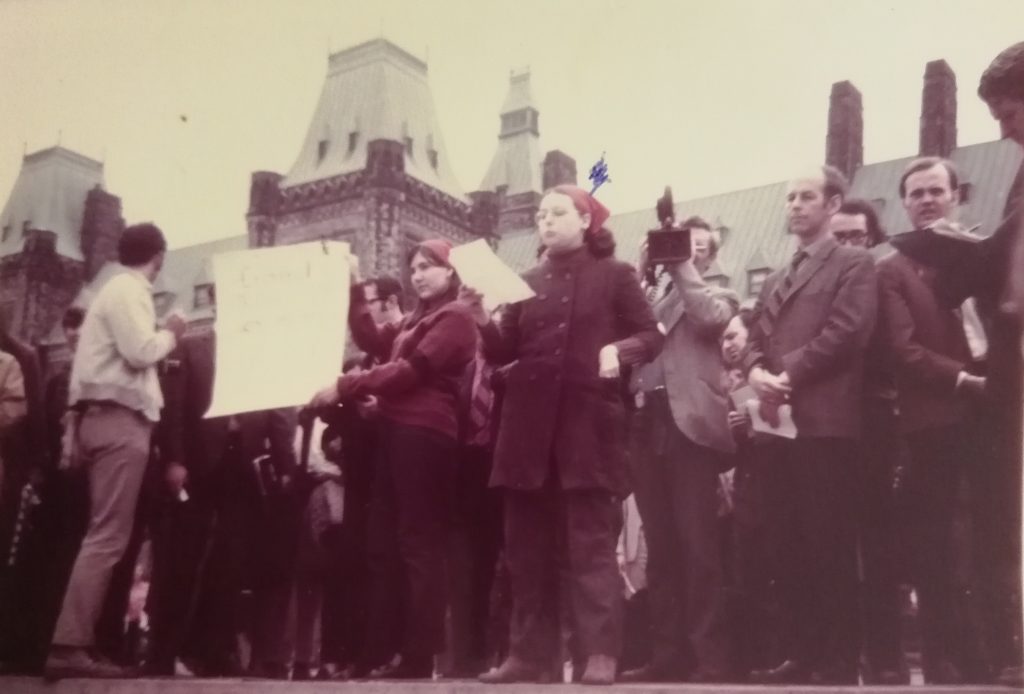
925	163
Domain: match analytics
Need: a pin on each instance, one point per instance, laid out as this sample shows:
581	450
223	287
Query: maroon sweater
418	382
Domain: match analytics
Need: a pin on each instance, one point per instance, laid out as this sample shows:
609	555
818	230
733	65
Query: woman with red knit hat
422	361
560	453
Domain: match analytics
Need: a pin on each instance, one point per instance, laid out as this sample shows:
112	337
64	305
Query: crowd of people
614	480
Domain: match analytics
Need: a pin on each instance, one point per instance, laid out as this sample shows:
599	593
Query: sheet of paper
282	317
786	428
740	396
480	269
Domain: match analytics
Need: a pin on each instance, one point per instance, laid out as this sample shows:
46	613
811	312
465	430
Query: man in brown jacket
811	326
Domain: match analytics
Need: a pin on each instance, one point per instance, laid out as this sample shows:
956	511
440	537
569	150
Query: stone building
373	171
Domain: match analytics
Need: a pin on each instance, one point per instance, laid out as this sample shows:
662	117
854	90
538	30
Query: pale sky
704	96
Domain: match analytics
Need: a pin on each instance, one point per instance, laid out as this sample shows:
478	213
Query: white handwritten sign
282	315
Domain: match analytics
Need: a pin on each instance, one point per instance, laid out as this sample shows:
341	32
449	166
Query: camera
667	245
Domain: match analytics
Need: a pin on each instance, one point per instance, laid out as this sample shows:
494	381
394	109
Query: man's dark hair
925	163
835	182
876	234
695	222
73	318
387	287
140	243
1004	77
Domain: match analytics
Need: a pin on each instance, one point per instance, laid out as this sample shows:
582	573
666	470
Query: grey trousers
114	442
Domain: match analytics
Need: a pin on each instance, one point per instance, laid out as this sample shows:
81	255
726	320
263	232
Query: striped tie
781	292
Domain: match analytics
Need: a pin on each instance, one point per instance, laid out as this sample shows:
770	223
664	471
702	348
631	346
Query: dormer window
203	296
408	145
755	281
966	189
25	226
353	141
6	232
321	150
432	156
718	280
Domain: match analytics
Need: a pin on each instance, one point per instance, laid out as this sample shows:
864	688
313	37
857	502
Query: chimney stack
938	110
558	168
844	143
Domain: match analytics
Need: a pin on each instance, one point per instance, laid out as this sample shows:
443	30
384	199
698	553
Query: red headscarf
585	203
439	247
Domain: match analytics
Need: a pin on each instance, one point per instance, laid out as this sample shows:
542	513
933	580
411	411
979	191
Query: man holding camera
809	332
680	434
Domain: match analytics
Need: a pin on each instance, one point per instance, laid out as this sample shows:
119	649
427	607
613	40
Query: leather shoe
402	671
600	670
512	670
650	672
65	662
789	672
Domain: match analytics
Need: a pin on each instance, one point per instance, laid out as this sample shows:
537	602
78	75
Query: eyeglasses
850	236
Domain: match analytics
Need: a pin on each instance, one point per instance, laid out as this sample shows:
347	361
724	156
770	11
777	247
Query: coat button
563	326
558	352
565	299
549	276
568	276
542	297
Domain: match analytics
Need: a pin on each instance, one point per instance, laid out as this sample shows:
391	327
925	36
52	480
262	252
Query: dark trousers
755	618
882	451
939	457
560	551
472	559
813	535
994	478
677	494
198	550
410	513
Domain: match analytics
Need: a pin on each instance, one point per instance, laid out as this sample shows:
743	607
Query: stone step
188	685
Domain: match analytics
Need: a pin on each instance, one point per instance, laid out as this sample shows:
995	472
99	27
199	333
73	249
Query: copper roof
375	90
50	194
756	235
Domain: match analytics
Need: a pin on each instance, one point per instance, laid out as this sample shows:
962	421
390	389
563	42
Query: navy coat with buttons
559	417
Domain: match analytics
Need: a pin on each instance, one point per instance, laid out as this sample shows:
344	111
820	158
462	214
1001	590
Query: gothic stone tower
373	169
59	227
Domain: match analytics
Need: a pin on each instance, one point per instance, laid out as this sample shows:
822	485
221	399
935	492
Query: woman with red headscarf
422	362
560	453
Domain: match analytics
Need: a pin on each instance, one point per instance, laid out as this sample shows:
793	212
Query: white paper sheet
282	316
480	269
786	428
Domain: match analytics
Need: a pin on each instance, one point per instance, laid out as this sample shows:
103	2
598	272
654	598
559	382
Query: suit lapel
811	267
669	309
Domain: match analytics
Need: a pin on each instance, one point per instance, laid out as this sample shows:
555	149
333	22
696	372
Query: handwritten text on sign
281	323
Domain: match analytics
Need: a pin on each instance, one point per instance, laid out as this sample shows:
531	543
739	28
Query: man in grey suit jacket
679	436
811	326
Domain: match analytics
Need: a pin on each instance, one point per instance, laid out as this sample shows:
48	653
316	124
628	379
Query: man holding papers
811	326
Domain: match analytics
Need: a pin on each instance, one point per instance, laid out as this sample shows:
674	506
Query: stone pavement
184	685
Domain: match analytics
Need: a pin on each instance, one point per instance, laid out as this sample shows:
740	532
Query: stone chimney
844	143
938	110
102	225
559	168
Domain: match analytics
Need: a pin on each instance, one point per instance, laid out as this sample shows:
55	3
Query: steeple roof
49	194
517	163
375	90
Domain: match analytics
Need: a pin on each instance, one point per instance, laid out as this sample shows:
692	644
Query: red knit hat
585	204
439	247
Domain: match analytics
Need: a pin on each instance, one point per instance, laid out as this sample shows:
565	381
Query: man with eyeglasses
384	297
856	224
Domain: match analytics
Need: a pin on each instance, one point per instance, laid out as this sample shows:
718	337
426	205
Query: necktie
781	292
